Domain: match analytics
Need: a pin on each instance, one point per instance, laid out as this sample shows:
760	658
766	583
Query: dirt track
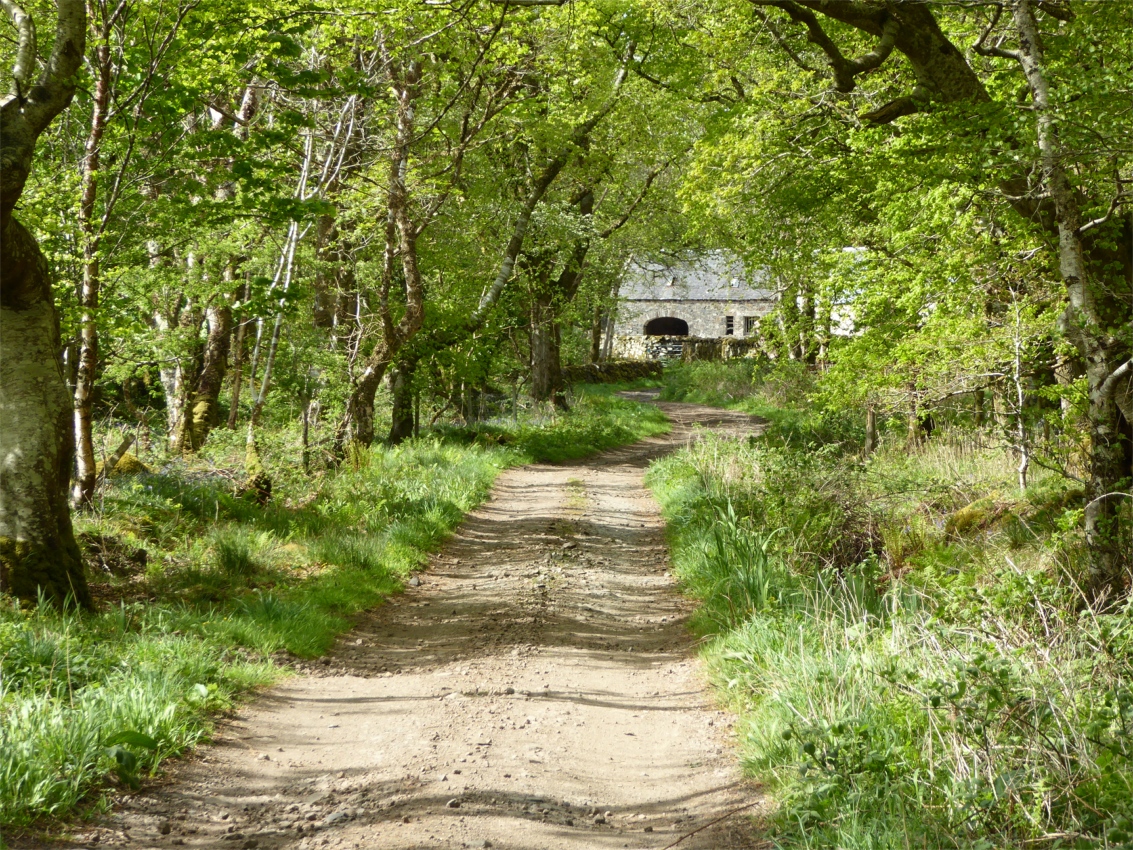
538	690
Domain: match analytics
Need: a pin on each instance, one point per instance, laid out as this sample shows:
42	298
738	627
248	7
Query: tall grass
232	589
905	679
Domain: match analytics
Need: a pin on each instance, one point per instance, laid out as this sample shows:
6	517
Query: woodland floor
538	690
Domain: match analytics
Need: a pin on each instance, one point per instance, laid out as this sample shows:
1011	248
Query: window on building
750	324
729	325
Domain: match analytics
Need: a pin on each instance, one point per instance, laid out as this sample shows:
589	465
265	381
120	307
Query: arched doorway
666	326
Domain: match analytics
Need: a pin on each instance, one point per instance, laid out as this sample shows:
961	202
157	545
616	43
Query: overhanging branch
1109	385
895	109
845	70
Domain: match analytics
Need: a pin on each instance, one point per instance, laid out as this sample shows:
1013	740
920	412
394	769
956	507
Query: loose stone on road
537	690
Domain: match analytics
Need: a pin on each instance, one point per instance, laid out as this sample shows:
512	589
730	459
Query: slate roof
713	276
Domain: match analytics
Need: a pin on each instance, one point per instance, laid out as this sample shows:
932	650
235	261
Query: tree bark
401	387
38	552
83	490
204	414
179	375
112	461
550	298
334	282
597	323
546	352
238	352
870	431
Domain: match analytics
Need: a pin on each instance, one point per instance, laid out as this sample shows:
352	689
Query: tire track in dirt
537	691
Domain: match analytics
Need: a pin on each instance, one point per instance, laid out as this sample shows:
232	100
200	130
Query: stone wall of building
687	348
705	318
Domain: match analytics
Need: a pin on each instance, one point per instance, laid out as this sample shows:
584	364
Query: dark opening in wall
729	325
666	326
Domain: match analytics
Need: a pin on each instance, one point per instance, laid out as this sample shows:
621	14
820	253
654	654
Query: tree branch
1118	200
981	47
24	65
798	60
1057	9
881	52
845	70
895	109
1109	385
843	78
26	114
625	216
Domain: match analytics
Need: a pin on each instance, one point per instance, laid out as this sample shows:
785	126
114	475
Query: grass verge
210	594
903	638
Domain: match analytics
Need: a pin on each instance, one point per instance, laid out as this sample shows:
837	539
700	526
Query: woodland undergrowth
903	637
206	596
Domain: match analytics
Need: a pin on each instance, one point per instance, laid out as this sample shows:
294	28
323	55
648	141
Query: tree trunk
470	403
870	431
179	375
113	460
38	552
204	413
238	352
546	353
808	343
324	307
788	318
596	325
92	284
915	435
401	386
357	424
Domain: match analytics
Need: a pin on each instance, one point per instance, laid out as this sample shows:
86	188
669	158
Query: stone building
706	297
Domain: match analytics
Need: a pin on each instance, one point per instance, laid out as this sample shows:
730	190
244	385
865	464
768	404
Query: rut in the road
537	691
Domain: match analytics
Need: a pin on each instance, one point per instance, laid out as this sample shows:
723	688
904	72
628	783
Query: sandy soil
538	690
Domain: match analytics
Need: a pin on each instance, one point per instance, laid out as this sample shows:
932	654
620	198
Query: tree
38	552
